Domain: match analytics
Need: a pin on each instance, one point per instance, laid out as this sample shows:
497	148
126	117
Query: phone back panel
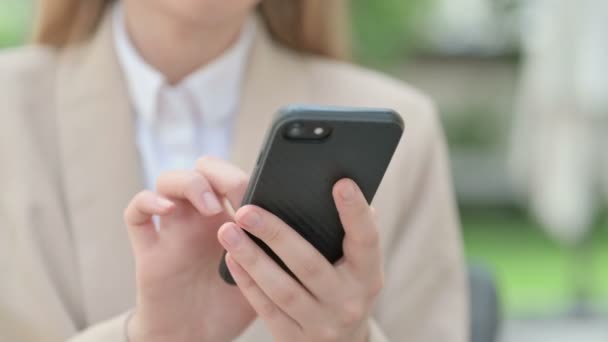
294	179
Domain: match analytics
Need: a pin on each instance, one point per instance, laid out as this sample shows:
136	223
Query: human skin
168	33
180	296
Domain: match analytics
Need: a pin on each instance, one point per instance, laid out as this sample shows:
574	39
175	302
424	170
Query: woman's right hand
180	296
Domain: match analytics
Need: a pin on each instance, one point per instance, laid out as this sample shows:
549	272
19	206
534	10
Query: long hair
308	26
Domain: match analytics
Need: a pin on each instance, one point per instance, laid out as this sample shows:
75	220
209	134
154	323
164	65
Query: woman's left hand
334	302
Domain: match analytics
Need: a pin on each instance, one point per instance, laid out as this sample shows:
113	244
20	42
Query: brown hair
310	26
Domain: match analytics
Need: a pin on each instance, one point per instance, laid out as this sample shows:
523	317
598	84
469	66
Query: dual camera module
307	131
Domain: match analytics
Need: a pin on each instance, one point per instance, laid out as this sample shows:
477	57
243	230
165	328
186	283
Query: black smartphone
307	150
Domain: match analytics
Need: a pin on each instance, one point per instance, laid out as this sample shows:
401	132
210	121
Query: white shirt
178	124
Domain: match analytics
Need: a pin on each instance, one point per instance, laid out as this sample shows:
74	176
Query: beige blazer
69	165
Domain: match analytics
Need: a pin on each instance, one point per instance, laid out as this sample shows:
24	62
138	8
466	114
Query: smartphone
306	151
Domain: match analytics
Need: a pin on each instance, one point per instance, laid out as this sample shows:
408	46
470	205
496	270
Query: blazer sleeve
113	330
425	293
375	333
39	284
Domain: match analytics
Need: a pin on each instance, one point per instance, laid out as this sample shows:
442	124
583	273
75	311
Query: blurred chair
484	304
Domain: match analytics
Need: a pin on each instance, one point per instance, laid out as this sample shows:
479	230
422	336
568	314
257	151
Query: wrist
138	331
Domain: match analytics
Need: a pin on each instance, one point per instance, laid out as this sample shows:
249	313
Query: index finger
138	217
300	257
226	179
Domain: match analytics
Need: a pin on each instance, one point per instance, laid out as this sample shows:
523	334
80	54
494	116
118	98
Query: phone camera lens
295	131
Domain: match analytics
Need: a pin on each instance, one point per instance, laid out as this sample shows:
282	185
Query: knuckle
272	234
162	179
248	284
202	162
286	298
361	207
374	212
134	204
249	258
194	182
371	238
368	239
310	268
268	310
140	196
376	287
352	312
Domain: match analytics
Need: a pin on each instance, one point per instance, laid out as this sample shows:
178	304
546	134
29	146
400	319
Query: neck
172	46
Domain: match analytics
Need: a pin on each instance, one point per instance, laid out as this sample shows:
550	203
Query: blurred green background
475	87
14	19
536	275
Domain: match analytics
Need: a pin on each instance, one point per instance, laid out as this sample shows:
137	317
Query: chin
208	12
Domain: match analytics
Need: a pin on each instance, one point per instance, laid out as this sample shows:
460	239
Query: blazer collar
100	161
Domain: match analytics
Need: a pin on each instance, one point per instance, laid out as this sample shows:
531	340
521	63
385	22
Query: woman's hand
333	303
180	296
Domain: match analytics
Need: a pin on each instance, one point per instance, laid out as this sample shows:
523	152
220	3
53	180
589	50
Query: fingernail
251	219
348	191
232	236
211	203
164	204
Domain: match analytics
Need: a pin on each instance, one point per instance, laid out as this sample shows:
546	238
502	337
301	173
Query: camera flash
319	131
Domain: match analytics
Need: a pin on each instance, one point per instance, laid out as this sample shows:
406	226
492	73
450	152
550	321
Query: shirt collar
215	88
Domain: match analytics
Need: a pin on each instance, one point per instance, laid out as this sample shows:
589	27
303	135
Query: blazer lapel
101	170
275	77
